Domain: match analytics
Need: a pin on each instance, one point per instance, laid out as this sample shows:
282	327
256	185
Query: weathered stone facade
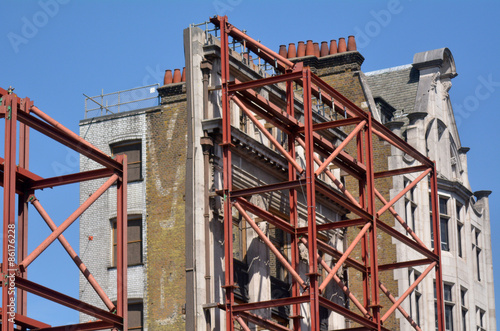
180	280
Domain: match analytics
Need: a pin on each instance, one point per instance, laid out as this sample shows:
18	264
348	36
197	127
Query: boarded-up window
135	316
133	151
134	240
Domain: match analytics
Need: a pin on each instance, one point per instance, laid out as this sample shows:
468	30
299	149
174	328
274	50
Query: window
135	316
134	240
415	296
459	230
448	306
277	237
445	241
481	323
435	308
280	288
410	206
239	257
476	250
133	151
239	237
463	303
443	222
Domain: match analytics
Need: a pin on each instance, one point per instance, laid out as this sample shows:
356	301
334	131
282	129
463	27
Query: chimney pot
333	46
167	79
177	76
183	76
282	51
292	51
309	48
301	49
316	50
324	49
342	46
351	43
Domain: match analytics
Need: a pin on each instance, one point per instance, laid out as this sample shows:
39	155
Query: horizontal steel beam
406	264
266	324
271	303
26	322
333	124
350	262
334	225
266	216
246	192
68	141
406	240
89	326
349	314
234	87
341	200
71	178
402	171
67	301
290	125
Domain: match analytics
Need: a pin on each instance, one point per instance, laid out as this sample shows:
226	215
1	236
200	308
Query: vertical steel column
364	241
311	201
22	215
294	219
437	247
227	166
121	243
9	211
370	192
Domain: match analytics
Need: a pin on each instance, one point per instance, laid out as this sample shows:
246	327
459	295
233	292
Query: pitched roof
397	86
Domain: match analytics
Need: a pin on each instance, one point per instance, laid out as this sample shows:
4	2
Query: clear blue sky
55	50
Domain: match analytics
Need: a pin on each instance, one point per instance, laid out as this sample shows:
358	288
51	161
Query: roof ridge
392	69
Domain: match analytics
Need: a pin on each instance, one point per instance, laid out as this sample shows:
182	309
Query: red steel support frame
17	179
307	134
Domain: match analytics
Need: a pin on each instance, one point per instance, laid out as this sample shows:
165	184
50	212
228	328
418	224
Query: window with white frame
444	223
448	306
460	226
463	303
481	319
476	251
410	206
415	296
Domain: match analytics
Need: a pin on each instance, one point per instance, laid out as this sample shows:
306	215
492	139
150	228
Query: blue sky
53	51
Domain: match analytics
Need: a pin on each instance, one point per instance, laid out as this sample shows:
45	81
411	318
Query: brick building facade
177	276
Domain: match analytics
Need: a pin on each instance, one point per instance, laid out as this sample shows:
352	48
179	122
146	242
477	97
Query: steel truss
17	179
308	134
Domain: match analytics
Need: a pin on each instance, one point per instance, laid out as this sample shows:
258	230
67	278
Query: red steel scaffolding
308	134
17	179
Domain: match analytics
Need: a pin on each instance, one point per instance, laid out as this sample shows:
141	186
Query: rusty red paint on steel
76	259
9	208
18	179
360	166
